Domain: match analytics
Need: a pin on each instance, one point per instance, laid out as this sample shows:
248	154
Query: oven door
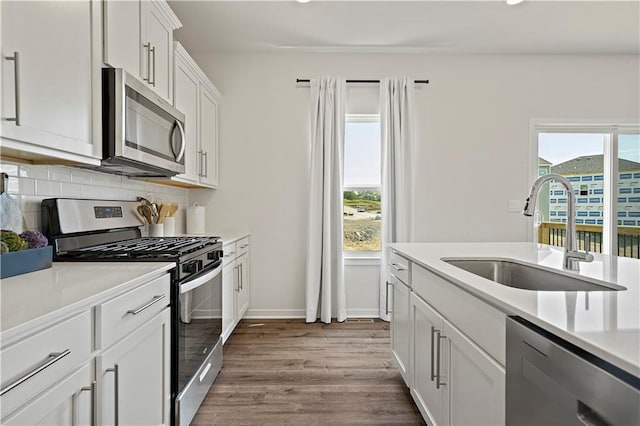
199	319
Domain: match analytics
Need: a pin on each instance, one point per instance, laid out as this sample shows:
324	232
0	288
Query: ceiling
562	27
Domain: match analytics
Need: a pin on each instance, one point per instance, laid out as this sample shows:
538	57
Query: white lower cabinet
70	402
476	383
134	376
454	381
400	327
427	394
47	375
235	285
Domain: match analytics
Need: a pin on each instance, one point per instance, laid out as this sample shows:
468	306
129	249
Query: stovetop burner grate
146	247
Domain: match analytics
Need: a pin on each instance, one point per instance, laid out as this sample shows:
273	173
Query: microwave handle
183	143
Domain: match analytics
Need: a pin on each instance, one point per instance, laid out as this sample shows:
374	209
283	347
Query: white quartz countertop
36	298
231	236
605	323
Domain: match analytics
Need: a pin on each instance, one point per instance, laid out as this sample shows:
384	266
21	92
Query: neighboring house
586	176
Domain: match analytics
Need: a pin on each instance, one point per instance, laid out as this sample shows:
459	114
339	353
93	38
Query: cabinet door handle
439	381
386	301
116	376
205	159
241	276
51	359
153	54
148	77
236	269
147	305
199	164
433	331
92	389
397	267
16	93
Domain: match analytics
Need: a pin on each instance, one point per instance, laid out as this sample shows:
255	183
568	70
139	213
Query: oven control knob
190	268
212	255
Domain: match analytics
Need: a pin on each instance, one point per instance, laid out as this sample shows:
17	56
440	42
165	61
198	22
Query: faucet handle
588	257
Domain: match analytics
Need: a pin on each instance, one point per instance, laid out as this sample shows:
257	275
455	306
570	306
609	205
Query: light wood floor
286	372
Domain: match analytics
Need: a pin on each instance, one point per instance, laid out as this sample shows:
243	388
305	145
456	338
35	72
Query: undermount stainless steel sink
513	274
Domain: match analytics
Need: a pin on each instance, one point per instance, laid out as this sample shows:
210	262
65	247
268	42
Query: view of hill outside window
580	157
362	177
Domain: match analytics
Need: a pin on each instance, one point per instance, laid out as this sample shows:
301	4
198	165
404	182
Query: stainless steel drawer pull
52	359
386	301
200	166
148	77
205	159
92	389
433	375
153	53
439	381
116	380
397	267
153	301
16	93
244	246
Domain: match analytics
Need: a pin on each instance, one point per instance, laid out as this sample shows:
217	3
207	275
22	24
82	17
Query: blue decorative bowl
24	261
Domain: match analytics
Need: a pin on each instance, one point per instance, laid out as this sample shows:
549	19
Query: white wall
30	184
473	141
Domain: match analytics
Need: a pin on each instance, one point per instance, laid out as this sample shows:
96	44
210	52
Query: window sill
361	259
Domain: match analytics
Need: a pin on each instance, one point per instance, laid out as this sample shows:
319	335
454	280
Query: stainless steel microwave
142	134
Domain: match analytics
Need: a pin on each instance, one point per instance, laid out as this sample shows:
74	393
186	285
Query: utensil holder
169	226
156	230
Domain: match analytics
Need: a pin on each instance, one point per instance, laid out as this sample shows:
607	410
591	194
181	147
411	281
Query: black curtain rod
301	80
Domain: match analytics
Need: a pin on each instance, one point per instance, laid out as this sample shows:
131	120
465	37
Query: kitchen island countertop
605	323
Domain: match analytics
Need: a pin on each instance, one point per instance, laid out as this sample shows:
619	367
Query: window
362	181
603	165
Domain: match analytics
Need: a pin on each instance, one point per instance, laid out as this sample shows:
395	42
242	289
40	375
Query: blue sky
559	147
362	154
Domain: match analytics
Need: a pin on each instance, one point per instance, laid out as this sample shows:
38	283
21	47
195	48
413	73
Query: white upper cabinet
198	99
51	80
138	37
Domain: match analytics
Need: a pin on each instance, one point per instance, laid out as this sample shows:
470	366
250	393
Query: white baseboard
275	313
301	313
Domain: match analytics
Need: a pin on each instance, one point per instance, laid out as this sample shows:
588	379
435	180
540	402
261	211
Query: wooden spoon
164	211
173	209
148	213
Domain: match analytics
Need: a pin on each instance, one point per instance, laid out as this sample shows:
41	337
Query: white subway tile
73	190
81	176
30	204
27	186
32	220
10	169
60	173
132	184
47	188
34	171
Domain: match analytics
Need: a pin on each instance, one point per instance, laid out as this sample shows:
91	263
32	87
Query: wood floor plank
286	372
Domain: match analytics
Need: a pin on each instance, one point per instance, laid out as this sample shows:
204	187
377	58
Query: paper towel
195	219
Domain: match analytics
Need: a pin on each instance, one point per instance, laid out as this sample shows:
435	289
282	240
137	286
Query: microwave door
152	135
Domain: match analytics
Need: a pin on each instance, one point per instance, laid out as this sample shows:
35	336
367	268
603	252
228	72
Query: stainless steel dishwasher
553	382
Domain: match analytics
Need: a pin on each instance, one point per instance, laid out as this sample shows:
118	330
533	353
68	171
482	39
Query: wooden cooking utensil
147	212
164	211
173	209
143	213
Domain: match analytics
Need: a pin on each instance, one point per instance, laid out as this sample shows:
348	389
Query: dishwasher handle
588	417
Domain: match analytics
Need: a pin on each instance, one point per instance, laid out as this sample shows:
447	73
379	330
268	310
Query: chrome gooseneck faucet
572	256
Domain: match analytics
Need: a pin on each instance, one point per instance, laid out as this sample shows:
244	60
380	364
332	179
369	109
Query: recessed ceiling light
514	2
303	1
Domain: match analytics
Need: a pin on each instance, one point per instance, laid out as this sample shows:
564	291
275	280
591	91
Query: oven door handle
190	285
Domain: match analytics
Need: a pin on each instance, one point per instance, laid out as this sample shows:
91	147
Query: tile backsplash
30	184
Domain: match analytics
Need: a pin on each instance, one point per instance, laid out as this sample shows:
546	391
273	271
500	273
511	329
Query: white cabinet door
425	340
56	67
475	383
400	327
121	32
242	298
134	376
186	88
228	299
208	137
69	402
158	34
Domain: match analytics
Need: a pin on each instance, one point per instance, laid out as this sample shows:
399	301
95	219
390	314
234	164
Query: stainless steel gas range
109	231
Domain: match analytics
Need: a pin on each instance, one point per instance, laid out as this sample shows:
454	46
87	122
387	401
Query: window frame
362	118
612	129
